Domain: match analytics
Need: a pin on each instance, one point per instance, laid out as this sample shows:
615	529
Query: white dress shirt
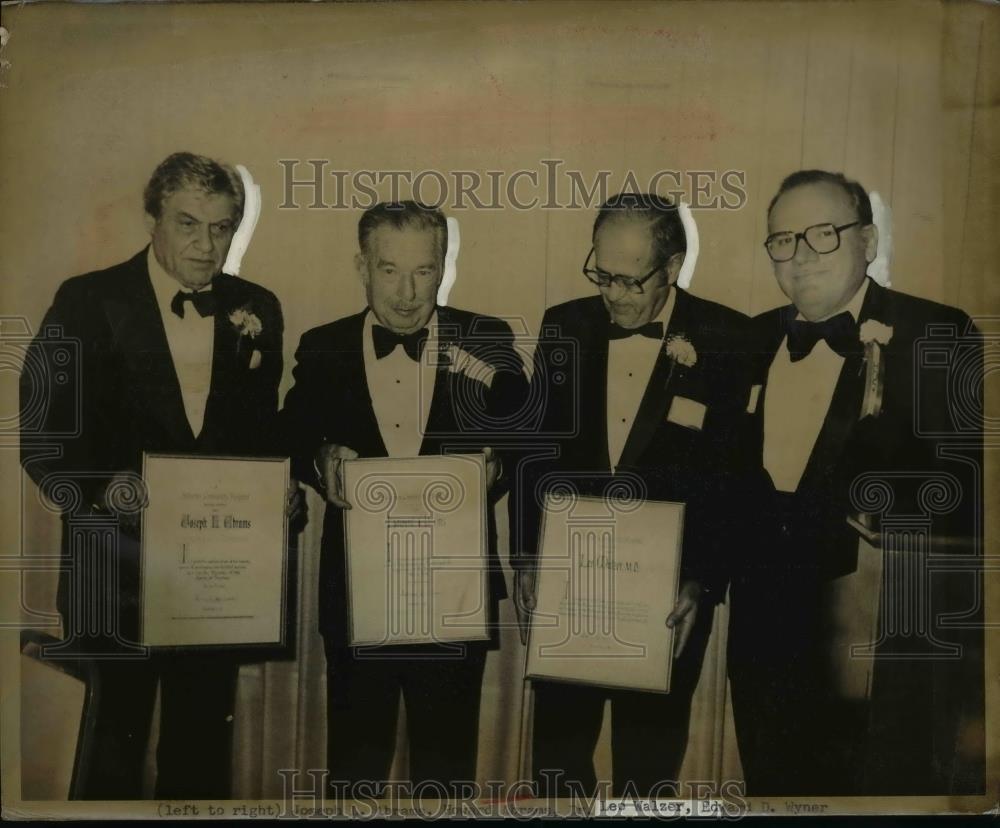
630	365
796	402
401	390
191	341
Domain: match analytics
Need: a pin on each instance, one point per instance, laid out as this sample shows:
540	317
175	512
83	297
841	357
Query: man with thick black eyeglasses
855	643
659	389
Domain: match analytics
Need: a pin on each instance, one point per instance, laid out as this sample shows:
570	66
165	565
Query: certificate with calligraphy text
214	551
415	541
606	580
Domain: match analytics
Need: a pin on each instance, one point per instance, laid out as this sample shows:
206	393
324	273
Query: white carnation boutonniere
874	335
874	331
248	326
681	352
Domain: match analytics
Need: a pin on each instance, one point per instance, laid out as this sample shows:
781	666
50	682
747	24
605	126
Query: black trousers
649	731
795	736
193	756
441	695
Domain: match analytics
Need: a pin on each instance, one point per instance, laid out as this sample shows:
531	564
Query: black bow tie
840	332
654	330
203	301
386	342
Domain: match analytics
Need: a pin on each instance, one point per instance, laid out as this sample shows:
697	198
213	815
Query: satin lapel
662	383
441	417
592	425
766	349
348	366
230	352
134	316
845	407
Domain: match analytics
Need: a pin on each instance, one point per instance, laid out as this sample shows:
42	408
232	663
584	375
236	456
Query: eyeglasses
821	238
602	278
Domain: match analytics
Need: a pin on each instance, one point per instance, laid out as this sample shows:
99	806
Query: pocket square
687	413
754	397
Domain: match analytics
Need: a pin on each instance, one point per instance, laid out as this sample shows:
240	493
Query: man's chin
406	323
627	322
197	280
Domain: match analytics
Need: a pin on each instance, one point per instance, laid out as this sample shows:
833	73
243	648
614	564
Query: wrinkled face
191	237
625	247
821	284
401	273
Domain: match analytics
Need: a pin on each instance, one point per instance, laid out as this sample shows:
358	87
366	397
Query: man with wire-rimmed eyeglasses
655	392
856	666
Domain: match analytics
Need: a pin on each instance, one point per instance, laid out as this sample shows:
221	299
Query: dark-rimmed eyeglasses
602	278
821	238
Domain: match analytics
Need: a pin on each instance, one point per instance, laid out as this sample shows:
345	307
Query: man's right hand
125	497
524	600
329	459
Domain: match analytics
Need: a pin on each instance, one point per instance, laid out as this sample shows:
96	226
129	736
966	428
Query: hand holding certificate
416	549
214	551
607	578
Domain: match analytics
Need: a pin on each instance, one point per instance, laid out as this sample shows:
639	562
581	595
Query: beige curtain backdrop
901	95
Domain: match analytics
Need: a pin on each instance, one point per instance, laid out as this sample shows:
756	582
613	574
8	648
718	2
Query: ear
150	223
870	235
674	264
361	266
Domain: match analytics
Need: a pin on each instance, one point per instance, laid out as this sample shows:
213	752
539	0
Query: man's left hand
684	613
295	506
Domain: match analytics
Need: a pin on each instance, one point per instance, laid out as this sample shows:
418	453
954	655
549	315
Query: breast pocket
687	413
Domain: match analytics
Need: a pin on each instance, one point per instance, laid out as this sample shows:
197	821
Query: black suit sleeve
263	408
534	457
65	379
300	424
505	399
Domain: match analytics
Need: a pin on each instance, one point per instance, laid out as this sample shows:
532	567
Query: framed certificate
415	540
214	565
606	580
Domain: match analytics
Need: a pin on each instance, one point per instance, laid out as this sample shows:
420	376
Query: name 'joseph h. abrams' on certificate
607	578
214	551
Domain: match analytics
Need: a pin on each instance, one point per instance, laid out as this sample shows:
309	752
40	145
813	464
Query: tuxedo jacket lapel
840	420
230	352
352	353
845	406
441	416
593	385
134	316
661	387
768	343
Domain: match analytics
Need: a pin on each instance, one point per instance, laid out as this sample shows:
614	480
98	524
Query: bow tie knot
385	342
654	330
840	332
203	301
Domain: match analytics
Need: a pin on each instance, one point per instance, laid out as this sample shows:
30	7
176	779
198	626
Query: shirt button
397	382
623	419
630	373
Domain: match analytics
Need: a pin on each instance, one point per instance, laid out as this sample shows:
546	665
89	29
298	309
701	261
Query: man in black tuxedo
647	398
157	365
866	405
361	390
